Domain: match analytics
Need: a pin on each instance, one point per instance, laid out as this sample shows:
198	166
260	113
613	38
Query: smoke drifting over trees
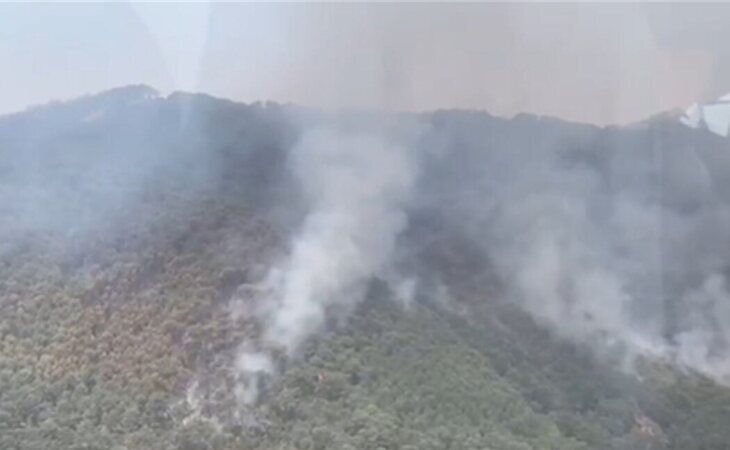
614	239
614	236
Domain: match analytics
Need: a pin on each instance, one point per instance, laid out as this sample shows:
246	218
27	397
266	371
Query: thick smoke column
355	187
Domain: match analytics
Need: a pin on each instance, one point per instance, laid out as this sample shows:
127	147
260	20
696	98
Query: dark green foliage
102	359
123	340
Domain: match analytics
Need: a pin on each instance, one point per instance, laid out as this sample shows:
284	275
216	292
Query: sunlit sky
601	63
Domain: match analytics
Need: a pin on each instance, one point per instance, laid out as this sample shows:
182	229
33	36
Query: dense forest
136	231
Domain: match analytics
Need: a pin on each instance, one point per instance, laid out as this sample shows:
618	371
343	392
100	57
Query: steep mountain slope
138	232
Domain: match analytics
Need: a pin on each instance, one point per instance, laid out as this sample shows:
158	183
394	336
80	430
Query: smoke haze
596	63
355	185
615	237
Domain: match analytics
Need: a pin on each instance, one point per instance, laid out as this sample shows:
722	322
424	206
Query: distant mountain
460	281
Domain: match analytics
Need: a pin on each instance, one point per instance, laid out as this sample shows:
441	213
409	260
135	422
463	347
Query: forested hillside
136	232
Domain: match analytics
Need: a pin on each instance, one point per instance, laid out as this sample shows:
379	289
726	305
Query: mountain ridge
139	92
136	249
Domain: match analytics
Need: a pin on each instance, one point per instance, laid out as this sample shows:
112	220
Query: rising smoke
614	238
355	186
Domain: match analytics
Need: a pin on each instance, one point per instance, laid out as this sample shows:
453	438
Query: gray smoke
79	170
613	238
355	186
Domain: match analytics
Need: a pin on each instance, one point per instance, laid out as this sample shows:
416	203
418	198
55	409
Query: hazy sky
599	63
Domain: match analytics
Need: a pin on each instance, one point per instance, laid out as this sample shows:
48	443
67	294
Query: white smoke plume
355	186
613	238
